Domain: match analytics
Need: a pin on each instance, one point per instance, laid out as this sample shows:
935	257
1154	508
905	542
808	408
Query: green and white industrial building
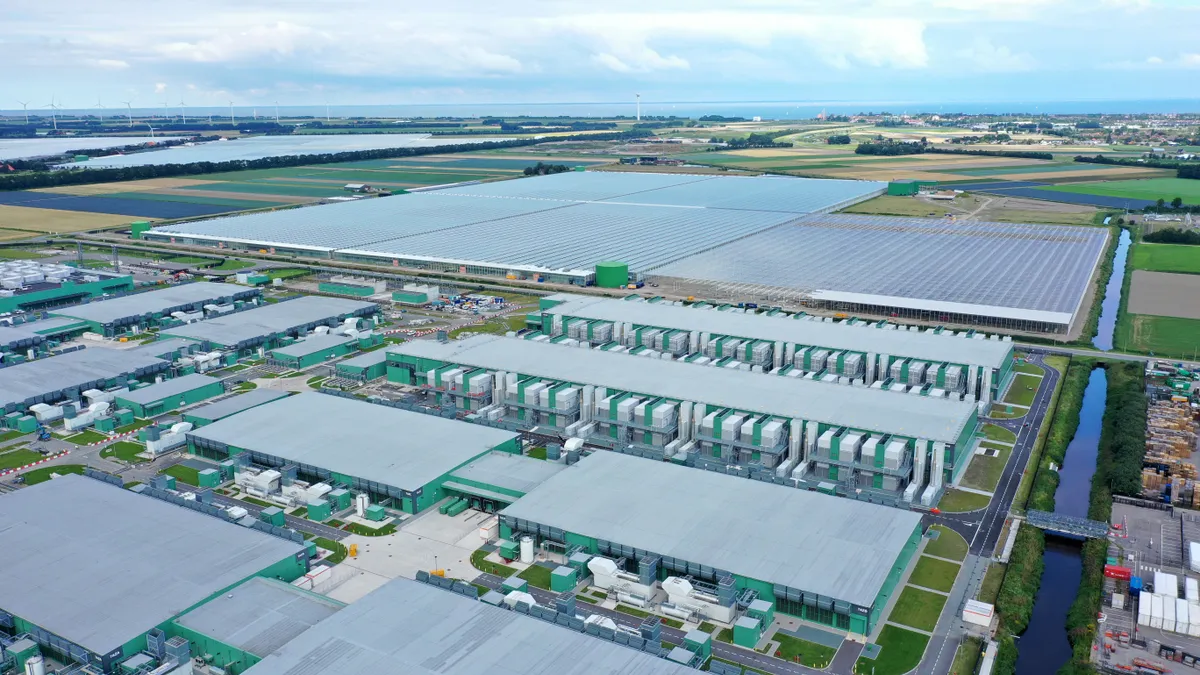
171	305
944	362
831	561
94	568
158	398
31	285
852	440
219	410
273	325
402	460
364	367
66	376
314	349
32	338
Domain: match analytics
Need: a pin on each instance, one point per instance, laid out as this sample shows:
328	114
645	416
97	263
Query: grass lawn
901	652
338	549
933	573
85	437
183	474
673	623
949	544
890	205
300	512
316	381
287	273
125	451
133	426
1027	368
245	386
19	254
995	433
363	530
228	265
257	502
631	611
19	457
41	475
959	501
10	434
1166	258
999	411
236	367
536	575
990	588
726	635
1022	390
917	608
1162	335
538	452
966	659
589	600
599	594
802	651
489	567
707	627
983	473
1148	188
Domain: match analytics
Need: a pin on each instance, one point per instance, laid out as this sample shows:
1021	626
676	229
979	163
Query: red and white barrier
64	453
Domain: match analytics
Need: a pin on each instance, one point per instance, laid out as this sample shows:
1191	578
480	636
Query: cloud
109	64
160	87
987	57
280	39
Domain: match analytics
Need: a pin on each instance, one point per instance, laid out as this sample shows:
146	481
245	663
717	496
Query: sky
304	52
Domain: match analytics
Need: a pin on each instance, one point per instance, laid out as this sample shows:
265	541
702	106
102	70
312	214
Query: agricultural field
984	207
1158	335
1166	258
1163	294
1149	189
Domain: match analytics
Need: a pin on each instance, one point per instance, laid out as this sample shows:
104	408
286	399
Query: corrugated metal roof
260	615
235	404
506	470
862	337
268	320
168	388
833	546
313	344
1043	268
365	360
150	302
66	371
863	408
396	447
409	628
102	565
9	335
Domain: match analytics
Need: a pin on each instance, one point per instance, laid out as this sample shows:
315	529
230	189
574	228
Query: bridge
1067	526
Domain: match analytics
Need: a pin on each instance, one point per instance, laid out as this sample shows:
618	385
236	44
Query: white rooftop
313	344
168	388
167	299
270	320
82	368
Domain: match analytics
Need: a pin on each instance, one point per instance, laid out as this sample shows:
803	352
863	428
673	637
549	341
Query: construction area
1169	470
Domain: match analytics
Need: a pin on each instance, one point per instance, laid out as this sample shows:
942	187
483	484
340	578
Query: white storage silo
527	550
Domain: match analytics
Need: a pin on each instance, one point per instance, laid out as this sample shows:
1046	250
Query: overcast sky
470	51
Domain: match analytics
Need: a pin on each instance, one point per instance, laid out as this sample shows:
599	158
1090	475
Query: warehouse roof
863	408
165	347
409	628
365	360
111	564
836	547
81	368
403	449
37	331
1035	272
563	222
166	300
313	344
235	404
269	320
862	337
506	470
168	388
259	616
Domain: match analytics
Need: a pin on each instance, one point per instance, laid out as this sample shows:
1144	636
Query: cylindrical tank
527	550
612	274
630	599
35	665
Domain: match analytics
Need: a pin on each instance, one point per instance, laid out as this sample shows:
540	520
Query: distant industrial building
219	410
854	440
136	312
409	628
401	459
313	349
103	567
156	399
364	367
827	560
267	326
29	285
551	228
36	336
792	345
66	376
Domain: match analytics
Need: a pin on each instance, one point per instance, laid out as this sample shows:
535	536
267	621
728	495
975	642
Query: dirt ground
981	207
1163	294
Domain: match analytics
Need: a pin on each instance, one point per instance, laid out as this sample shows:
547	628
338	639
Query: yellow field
882	174
128	186
52	221
10	235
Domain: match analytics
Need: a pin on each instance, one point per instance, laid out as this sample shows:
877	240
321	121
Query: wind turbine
183	110
151	130
166	110
326	110
25	106
53	112
100	106
276	112
639	107
232	123
129	111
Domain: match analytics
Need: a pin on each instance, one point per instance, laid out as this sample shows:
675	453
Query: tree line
1183	168
1173	235
79	176
541	169
838	139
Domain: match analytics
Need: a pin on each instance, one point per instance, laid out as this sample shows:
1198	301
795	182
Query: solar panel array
258	147
1031	267
567	221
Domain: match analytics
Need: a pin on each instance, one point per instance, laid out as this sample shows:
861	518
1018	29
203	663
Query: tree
1161	202
1177	202
841	139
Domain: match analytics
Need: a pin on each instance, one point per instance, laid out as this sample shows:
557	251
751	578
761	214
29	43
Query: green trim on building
69	293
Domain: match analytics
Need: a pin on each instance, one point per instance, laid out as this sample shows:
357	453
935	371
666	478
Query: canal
1044	647
1107	328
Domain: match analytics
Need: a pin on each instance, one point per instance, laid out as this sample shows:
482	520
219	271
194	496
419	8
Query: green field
125	451
1022	390
958	501
966	659
990	587
1145	188
1166	258
900	652
983	473
933	573
917	608
537	575
183	474
1160	335
85	437
19	457
808	653
949	544
42	474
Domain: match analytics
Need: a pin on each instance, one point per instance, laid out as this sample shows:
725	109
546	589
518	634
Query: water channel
1044	648
1107	328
